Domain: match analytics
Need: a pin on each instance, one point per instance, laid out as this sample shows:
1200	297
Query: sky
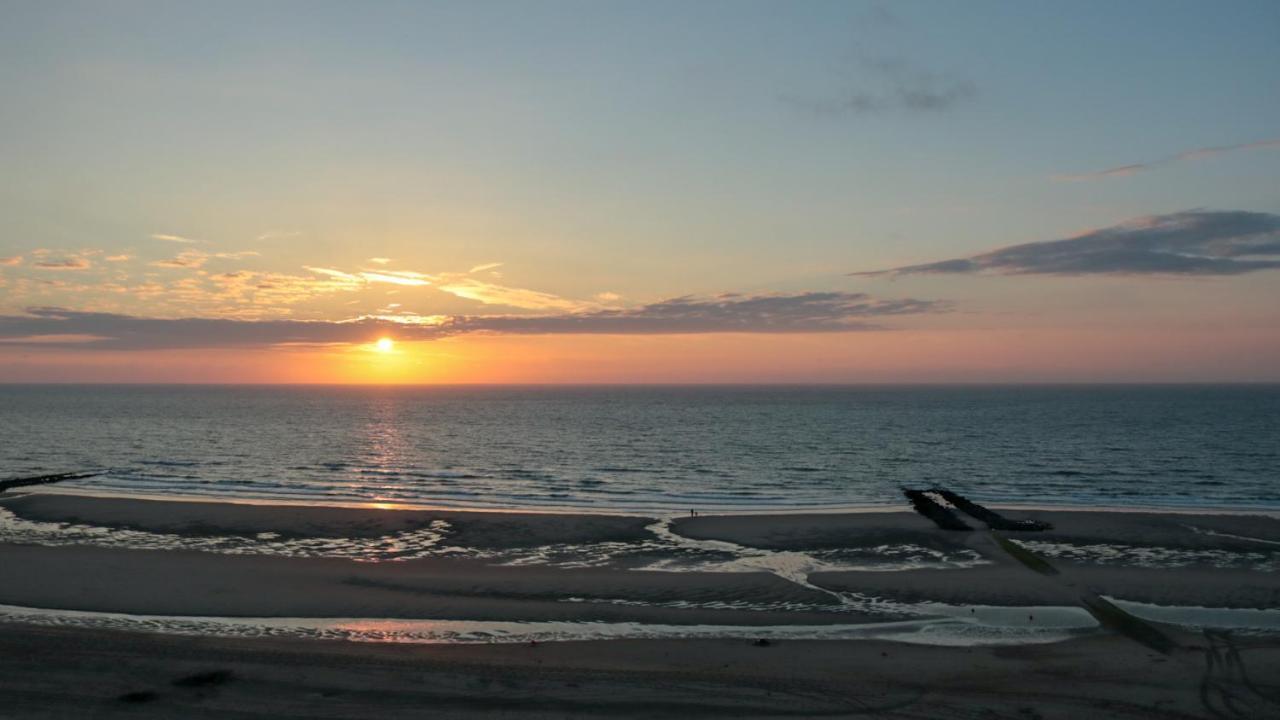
670	192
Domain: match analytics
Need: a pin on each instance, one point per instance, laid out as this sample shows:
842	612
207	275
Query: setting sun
384	345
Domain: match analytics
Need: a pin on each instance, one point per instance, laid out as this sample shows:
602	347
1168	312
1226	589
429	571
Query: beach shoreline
762	510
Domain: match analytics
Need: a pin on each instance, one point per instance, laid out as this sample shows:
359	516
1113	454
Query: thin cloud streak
813	312
75	263
194	259
895	85
165	237
1197	154
397	277
1195	242
491	294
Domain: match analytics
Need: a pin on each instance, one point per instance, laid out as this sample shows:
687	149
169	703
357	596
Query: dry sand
60	673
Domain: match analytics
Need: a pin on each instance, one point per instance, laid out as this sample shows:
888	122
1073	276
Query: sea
655	449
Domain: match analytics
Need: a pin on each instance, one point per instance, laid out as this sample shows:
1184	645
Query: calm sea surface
656	448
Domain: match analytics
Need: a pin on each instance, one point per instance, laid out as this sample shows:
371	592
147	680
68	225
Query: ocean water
656	449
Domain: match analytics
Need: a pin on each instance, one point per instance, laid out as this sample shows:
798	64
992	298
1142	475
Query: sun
385	345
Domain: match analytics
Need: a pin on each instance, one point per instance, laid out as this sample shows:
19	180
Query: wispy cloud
887	84
11	261
278	235
379	260
1197	154
173	238
397	277
190	259
69	263
771	313
813	312
52	339
393	277
1195	242
195	259
491	294
332	273
117	258
463	286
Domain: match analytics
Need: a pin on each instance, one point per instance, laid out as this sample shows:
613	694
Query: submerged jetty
928	507
44	479
993	520
947	519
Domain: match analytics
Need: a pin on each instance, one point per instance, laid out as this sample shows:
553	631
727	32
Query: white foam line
1203	617
1215	533
635	509
937	631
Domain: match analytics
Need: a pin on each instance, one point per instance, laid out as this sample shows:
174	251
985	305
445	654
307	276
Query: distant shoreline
632	512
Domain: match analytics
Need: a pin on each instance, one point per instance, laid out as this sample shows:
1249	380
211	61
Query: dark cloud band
797	313
1196	242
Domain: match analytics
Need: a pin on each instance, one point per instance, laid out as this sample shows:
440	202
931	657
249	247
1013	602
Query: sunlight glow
385	345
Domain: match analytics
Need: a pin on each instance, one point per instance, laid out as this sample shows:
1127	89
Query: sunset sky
639	192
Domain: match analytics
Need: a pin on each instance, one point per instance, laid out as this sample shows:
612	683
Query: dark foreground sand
60	673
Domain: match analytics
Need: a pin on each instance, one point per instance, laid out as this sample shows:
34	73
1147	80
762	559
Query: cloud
52	339
116	258
190	259
397	277
380	260
486	266
11	261
393	277
773	313
332	273
1195	242
70	263
173	238
278	235
194	259
812	312
893	84
1197	154
491	294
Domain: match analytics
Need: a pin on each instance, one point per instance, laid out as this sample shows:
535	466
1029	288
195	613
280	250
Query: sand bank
779	570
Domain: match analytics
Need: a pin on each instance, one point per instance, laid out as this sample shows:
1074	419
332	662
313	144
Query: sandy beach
171	559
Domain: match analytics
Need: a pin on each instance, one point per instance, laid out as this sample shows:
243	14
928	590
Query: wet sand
192	583
457	586
474	529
